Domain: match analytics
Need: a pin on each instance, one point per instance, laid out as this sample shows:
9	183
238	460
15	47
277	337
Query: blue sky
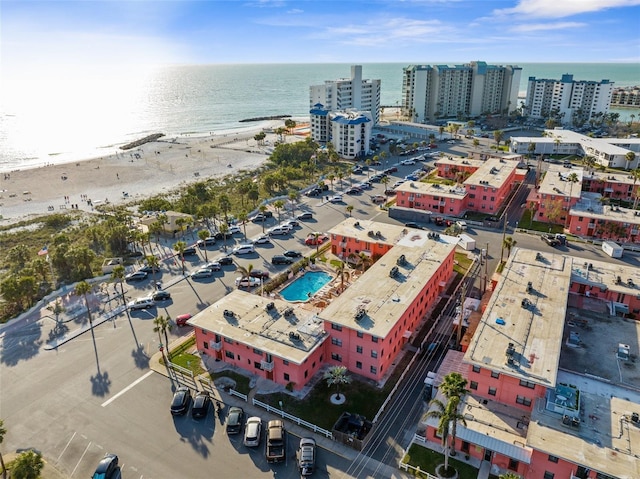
34	34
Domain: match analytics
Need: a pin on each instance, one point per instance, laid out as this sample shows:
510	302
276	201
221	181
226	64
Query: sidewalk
262	386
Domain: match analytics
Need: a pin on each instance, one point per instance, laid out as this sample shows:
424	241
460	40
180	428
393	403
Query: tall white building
568	97
351	133
352	93
442	91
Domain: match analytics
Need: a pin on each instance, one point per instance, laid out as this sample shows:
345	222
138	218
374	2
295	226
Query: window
336	327
206	345
495	375
527	384
374	339
513	464
492	391
358	365
336	357
336	341
229	354
473	385
227	340
360	334
373	370
257	351
359	349
548	475
285	362
286	377
476	369
553	459
374	354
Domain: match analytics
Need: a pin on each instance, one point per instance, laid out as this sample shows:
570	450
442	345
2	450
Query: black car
413	225
281	259
235	420
292	254
260	274
181	401
150	269
107	467
190	251
136	276
314	192
305	216
201	405
161	295
225	260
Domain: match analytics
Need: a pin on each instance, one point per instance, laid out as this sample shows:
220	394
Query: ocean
70	114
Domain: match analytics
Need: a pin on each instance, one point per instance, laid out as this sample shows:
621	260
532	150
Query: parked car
411	224
252	432
182	319
292	254
213	266
107	467
210	241
353	191
247	282
281	259
314	192
190	251
305	216
141	303
225	260
378	199
181	401
336	199
278	231
408	162
202	273
291	224
262	239
315	239
234	229
306	456
149	269
244	249
136	276
234	420
259	273
201	405
161	295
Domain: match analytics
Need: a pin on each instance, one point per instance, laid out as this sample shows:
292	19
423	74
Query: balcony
266	365
216	346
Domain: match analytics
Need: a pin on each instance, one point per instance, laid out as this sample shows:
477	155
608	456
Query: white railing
177	367
235	393
297	420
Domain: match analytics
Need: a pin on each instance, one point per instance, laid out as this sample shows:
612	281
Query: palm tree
349	209
3	431
498	135
164	326
448	418
629	157
224	229
179	248
509	243
154	262
453	385
82	289
242	218
245	272
340	269
203	235
294	197
636	175
263	210
336	376
509	475
278	205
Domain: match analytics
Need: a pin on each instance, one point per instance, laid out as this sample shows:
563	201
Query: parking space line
81	457
130	386
65	447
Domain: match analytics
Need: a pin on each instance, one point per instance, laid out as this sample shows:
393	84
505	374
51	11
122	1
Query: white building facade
351	133
469	90
569	98
352	93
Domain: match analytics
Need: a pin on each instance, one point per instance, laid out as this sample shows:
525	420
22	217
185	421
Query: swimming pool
306	286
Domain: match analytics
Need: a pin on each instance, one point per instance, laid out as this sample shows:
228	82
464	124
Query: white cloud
295	11
538	27
562	8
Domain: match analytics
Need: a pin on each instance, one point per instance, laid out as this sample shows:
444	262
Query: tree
57	309
453	385
225	206
498	135
83	289
224	229
245	272
629	158
242	218
203	235
337	376
290	124
3	431
340	267
179	248
448	418
349	209
509	243
163	325
509	475
294	197
263	209
278	205
28	465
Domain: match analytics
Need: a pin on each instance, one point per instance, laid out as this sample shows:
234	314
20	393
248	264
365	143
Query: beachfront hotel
353	93
550	365
430	92
363	324
568	97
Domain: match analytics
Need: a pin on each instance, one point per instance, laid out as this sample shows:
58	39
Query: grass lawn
428	460
462	263
525	222
242	382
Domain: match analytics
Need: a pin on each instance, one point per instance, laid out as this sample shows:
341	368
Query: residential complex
573	100
352	93
556	194
626	97
442	91
608	152
350	133
539	402
360	327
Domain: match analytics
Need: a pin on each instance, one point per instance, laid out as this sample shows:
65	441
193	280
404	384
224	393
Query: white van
462	225
244	249
141	303
278	230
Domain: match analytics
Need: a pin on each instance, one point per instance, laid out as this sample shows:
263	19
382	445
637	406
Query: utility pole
463	295
504	235
486	269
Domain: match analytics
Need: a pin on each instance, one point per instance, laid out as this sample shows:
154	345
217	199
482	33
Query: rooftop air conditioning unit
228	313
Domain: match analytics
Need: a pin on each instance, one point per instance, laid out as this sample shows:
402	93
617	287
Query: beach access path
157	167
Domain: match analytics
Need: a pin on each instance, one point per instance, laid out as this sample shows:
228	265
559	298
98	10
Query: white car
278	230
202	273
141	303
263	239
233	229
244	249
252	432
408	162
247	282
336	199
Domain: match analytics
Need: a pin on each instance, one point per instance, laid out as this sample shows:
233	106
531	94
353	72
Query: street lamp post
504	234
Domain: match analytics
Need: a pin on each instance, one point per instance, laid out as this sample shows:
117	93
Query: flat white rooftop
266	330
527	311
435	189
385	298
493	173
556	182
590	206
454	161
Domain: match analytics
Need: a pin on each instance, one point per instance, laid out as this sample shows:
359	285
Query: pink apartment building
591	218
617	186
364	328
526	412
556	194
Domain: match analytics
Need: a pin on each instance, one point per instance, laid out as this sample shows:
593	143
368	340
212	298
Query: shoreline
150	169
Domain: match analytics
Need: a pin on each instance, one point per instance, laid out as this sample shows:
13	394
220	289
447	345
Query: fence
415	470
297	420
180	369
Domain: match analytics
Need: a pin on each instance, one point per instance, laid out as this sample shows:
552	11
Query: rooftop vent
360	313
618	280
401	260
525	303
529	287
510	350
288	312
635	418
630	283
294	336
394	272
270	306
228	313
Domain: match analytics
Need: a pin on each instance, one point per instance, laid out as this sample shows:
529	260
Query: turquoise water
305	286
47	118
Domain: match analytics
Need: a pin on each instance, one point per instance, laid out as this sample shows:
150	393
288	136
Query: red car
182	319
312	240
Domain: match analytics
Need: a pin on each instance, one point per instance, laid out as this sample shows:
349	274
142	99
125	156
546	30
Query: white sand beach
153	168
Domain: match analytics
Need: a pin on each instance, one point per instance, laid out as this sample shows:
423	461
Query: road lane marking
130	386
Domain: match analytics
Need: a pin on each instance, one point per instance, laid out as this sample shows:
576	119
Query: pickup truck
550	239
275	449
